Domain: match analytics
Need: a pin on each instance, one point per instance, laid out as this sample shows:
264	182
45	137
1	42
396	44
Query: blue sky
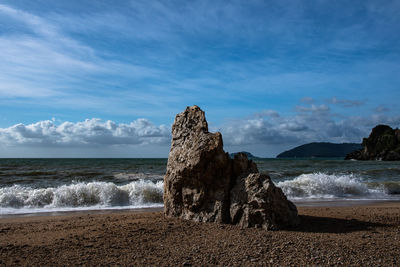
106	78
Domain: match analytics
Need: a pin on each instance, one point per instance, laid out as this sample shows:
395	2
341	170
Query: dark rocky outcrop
382	144
204	184
248	154
320	150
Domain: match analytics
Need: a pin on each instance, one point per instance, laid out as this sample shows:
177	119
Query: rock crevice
204	184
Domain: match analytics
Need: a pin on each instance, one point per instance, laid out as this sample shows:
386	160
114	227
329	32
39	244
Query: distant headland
320	150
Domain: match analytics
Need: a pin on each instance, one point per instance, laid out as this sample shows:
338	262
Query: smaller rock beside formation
248	154
382	144
257	202
204	184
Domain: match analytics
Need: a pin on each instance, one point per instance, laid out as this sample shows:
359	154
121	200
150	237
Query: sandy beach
367	235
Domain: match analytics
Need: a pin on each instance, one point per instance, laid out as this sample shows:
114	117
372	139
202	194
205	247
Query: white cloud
310	124
307	100
268	113
346	102
40	60
91	132
313	108
381	109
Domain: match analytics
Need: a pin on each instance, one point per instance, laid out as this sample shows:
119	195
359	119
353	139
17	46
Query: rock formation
382	144
248	154
204	184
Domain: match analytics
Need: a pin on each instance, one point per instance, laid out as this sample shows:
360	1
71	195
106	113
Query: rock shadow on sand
315	224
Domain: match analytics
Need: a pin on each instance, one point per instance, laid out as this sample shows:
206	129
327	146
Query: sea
31	186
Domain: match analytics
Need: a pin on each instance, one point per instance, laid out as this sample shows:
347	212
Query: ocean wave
141	193
83	194
390	187
138	176
283	174
322	185
29	173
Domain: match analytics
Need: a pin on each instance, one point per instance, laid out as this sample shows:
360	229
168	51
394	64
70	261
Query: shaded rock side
382	144
257	202
204	184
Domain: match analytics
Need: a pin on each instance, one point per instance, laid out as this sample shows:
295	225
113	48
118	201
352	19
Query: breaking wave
137	194
142	193
321	185
137	176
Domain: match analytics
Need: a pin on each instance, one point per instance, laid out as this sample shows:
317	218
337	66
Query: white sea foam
137	176
321	185
143	193
80	195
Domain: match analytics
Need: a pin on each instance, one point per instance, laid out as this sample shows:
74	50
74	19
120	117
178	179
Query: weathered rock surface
257	202
382	144
204	184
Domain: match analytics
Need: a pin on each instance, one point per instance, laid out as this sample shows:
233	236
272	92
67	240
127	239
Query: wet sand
358	235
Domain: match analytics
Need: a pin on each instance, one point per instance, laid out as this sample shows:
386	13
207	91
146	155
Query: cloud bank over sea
91	132
265	133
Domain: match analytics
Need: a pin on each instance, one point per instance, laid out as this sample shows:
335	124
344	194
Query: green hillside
320	150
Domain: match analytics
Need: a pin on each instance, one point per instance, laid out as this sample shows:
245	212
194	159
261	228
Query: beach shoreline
328	235
81	212
298	203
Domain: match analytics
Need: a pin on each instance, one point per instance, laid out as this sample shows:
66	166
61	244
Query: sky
106	78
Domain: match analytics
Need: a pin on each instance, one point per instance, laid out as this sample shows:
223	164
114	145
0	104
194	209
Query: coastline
298	203
345	203
82	212
328	235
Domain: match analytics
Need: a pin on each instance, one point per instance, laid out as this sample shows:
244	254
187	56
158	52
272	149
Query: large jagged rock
197	182
382	144
204	184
